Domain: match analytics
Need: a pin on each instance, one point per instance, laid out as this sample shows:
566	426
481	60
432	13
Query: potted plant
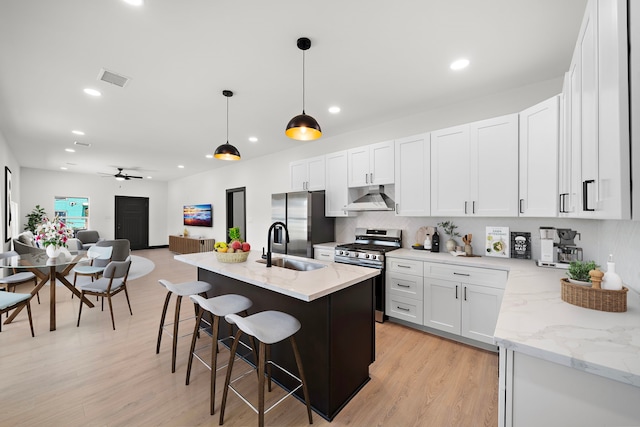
450	229
34	219
578	272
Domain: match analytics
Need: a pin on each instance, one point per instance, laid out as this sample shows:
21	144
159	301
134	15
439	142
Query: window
73	211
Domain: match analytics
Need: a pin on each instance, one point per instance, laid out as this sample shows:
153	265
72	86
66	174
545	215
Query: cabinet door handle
465	293
402	308
456	291
473	207
366	178
585	194
561	203
371	177
325	255
397	207
461	274
404	266
520	206
402	286
465	207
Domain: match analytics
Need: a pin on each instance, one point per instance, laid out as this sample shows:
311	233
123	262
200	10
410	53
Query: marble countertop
327	245
535	321
303	285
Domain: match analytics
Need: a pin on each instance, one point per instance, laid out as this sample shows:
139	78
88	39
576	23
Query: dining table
46	270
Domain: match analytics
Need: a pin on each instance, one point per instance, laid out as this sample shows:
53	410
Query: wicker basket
593	298
232	257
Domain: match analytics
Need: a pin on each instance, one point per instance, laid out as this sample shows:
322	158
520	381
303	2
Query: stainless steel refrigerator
303	213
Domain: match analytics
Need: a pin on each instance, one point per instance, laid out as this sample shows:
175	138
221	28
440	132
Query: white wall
40	187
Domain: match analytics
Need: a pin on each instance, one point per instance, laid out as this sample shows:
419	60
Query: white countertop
327	245
535	321
303	285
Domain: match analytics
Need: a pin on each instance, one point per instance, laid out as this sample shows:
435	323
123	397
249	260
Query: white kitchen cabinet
336	189
404	290
599	102
413	175
568	150
307	174
323	254
371	164
463	300
474	169
539	137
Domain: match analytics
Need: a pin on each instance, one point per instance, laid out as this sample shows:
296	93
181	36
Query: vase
53	251
450	245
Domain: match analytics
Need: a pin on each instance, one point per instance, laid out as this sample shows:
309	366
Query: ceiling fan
124	177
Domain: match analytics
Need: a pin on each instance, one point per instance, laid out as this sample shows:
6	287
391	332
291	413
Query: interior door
236	211
132	220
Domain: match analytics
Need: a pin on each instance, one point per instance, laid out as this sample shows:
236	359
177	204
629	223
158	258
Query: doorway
132	221
236	211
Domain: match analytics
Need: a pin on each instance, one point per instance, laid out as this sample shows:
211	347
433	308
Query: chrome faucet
273	226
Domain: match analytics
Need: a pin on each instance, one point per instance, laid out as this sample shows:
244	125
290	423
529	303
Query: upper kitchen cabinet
598	99
412	170
337	192
307	174
371	164
539	134
474	169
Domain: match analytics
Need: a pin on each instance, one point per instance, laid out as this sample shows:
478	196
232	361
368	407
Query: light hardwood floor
93	375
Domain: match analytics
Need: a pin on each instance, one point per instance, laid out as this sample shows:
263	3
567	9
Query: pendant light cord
227	119
303	85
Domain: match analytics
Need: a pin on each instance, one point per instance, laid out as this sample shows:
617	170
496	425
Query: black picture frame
7	203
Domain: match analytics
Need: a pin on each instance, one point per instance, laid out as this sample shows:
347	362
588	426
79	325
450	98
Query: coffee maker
566	249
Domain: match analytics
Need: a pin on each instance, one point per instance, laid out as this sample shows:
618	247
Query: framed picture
520	245
7	204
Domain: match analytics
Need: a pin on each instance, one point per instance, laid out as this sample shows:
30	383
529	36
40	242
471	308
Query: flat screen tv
198	215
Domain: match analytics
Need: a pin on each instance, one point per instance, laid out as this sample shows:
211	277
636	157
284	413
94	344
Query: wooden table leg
52	298
73	289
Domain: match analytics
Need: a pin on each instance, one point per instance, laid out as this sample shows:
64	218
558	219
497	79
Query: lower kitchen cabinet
459	300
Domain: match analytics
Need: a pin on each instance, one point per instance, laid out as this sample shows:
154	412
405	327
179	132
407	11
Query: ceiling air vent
113	78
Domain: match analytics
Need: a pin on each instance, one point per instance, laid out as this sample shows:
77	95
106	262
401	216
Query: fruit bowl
232	257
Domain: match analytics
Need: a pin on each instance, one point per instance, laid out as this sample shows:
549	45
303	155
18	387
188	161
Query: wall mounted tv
198	215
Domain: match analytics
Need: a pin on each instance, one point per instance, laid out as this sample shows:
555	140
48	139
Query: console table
189	245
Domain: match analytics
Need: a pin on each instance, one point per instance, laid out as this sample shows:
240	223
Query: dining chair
99	258
10	282
112	282
11	300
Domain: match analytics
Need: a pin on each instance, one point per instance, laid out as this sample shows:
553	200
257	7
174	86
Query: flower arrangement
450	228
53	233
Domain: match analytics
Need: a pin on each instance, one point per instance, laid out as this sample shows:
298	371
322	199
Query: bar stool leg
164	314
261	363
214	359
232	355
175	333
305	391
193	344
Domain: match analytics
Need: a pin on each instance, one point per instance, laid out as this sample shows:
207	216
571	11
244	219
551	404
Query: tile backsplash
598	238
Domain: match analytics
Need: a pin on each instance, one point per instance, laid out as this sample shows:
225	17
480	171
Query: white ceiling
376	59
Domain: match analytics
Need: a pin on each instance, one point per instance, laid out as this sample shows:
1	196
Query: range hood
374	200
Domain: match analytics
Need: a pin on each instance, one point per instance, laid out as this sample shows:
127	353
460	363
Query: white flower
53	233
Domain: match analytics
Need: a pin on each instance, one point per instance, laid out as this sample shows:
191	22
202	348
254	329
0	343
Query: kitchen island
334	304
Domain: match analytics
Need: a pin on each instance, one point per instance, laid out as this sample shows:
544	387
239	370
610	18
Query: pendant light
227	151
303	127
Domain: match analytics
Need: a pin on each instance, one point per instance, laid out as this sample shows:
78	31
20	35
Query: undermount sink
293	264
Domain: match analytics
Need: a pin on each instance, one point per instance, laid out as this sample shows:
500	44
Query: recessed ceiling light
134	2
253	139
181	166
69	150
77	132
92	92
63	168
209	156
149	177
459	64
334	110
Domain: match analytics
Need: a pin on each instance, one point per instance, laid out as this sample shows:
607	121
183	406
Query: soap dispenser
427	242
611	280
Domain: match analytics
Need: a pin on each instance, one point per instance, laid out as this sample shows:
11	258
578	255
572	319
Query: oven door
378	284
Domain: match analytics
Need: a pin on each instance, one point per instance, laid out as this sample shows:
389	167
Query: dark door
132	220
236	213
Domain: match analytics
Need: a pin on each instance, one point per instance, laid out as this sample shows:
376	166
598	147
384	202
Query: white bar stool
218	307
268	327
181	290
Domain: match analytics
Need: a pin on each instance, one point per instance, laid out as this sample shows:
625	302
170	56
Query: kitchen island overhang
334	304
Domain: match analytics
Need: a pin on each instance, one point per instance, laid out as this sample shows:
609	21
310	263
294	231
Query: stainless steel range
368	251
